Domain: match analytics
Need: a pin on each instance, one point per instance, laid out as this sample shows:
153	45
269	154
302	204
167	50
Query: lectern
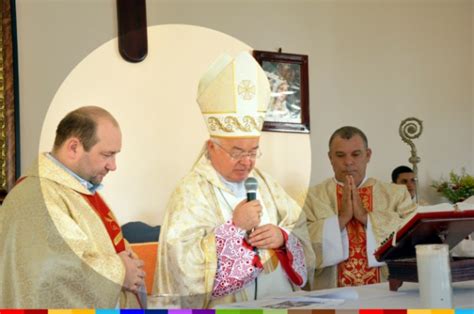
442	227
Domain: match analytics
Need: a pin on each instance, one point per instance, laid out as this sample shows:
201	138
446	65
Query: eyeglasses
240	154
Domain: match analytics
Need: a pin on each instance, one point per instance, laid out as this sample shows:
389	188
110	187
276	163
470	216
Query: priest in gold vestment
216	246
60	245
350	215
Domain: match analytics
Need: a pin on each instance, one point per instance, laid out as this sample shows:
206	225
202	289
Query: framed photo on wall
287	73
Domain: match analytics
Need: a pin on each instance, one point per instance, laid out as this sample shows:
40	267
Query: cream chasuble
55	251
390	205
187	258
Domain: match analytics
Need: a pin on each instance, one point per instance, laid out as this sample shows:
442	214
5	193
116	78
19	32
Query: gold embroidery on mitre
246	89
231	124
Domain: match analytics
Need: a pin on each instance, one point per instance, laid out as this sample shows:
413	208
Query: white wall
53	36
380	63
372	64
163	130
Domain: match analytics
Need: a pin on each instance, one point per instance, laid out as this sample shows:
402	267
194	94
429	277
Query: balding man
60	244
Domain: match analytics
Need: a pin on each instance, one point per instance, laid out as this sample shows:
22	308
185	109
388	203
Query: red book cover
448	226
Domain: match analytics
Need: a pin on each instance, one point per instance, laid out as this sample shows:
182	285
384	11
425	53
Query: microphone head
251	184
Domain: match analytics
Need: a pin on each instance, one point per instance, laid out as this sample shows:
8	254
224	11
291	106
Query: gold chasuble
55	251
355	271
387	205
187	259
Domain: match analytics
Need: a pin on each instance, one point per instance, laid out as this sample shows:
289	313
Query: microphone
251	186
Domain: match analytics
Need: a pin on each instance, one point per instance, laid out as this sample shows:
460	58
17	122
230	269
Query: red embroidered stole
108	219
105	214
113	229
355	271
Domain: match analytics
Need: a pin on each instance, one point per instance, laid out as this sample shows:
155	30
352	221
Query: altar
377	296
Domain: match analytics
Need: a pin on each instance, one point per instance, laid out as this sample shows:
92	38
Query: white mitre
233	96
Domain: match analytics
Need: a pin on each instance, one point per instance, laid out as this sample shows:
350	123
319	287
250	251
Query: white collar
237	188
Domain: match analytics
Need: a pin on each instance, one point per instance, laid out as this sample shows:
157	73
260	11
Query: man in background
60	244
349	215
405	176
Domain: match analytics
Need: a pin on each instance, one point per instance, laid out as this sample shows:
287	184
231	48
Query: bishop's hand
267	236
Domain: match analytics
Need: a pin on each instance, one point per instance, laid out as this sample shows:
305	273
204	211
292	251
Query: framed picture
287	73
8	112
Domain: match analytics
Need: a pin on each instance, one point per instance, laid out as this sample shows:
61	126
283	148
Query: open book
442	223
443	207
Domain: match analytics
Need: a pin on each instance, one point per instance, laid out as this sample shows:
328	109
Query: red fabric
406	229
110	224
355	271
105	214
238	264
286	259
256	259
108	219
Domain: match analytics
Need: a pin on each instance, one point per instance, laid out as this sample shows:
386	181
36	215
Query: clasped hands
351	205
247	217
134	273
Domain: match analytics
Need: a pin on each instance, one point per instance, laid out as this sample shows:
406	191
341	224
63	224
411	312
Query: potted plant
458	188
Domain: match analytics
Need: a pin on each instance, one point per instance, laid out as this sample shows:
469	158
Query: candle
434	275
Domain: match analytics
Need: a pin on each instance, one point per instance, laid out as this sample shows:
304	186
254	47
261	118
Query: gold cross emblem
246	89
